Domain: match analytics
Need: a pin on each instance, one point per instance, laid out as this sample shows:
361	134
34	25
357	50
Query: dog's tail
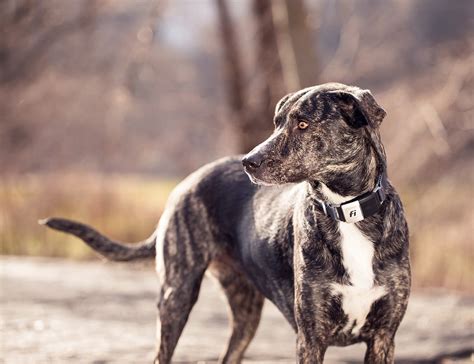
109	249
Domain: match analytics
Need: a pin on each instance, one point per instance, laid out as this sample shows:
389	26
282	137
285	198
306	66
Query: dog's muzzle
252	162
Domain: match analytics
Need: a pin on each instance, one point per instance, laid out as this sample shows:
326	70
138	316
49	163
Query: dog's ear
359	108
280	103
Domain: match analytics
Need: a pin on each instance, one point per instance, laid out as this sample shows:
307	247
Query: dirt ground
59	311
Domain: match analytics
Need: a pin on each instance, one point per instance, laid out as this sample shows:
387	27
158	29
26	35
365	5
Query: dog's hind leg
174	306
178	294
181	264
245	307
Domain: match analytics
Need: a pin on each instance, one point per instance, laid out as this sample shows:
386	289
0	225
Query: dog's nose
252	162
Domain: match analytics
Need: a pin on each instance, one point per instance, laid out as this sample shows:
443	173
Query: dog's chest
357	257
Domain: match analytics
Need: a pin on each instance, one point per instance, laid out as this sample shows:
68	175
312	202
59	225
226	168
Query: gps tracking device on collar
359	207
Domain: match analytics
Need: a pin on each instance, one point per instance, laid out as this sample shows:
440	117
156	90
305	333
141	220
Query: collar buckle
352	212
379	191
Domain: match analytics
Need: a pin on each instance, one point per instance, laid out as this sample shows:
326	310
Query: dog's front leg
310	314
380	349
310	351
311	335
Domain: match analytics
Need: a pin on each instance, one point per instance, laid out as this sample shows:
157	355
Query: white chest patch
357	254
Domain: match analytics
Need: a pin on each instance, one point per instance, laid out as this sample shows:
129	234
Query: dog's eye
302	125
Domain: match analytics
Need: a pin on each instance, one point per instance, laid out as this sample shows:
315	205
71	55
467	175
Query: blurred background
106	105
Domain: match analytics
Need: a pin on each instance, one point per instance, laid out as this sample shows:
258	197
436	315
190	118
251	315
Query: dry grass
127	208
123	207
440	217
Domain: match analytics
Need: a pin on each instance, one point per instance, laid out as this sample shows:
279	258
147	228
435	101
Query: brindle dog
336	282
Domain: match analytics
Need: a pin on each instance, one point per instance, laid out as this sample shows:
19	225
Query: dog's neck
333	197
343	185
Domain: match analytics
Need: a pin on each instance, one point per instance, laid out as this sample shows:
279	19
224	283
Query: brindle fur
274	241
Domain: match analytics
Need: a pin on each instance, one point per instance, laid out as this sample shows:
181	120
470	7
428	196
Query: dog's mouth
261	174
273	174
258	181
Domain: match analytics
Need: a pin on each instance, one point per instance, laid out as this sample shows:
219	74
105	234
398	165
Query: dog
310	222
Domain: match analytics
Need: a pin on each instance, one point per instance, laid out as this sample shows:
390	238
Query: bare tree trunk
233	76
296	46
232	60
304	46
272	87
252	121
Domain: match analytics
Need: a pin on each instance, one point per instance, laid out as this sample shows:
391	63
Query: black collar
359	207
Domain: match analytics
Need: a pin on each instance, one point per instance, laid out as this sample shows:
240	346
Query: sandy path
59	311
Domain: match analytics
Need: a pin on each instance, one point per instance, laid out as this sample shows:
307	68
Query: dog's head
317	130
